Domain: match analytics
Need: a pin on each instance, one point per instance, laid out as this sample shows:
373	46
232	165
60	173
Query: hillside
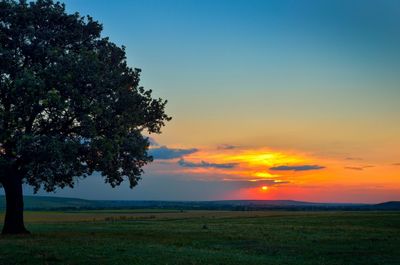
48	203
60	203
392	205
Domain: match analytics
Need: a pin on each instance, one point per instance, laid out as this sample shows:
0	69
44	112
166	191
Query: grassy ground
201	237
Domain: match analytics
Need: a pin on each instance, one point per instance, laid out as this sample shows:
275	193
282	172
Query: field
205	237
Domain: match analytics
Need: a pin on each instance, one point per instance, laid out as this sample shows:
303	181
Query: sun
264	188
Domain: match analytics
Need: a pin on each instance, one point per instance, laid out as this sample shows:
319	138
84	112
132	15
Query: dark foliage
69	104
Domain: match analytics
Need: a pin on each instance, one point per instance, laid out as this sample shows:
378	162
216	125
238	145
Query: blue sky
316	77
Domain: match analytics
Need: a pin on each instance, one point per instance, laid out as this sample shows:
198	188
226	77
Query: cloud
297	168
396	164
226	147
164	152
204	164
354	168
353	158
255	183
358	168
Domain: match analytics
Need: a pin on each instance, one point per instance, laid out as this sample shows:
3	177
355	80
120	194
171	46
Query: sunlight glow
246	172
249	163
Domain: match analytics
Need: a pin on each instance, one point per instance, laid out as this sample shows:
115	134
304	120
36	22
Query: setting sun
264	188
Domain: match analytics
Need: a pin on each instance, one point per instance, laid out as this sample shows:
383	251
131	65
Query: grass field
205	237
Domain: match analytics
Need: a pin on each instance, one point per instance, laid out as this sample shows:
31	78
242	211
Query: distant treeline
40	203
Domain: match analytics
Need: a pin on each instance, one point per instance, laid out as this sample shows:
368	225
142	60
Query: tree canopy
69	103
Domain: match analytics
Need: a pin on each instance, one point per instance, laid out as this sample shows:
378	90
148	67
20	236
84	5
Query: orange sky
288	174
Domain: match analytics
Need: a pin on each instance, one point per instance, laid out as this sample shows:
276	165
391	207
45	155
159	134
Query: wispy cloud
204	164
358	167
226	147
256	183
297	168
164	152
354	168
396	164
353	158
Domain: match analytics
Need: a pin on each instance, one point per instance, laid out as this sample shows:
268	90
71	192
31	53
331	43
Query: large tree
69	105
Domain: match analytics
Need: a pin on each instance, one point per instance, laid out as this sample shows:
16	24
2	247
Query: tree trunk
14	219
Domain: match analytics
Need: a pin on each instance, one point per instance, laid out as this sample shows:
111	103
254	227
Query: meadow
205	237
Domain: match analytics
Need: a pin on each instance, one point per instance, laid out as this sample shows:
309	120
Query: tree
69	105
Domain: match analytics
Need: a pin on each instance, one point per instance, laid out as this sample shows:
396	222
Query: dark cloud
164	152
226	147
396	164
204	164
297	168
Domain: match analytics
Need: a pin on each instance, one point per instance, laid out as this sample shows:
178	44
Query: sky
270	99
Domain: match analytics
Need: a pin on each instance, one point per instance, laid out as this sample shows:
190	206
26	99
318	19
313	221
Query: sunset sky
299	97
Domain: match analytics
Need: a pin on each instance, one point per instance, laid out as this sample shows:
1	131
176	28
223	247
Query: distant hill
392	205
48	203
60	203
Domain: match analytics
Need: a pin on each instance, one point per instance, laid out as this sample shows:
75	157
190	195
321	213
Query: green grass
206	237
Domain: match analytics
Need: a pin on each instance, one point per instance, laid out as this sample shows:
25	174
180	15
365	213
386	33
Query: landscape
199	132
74	231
